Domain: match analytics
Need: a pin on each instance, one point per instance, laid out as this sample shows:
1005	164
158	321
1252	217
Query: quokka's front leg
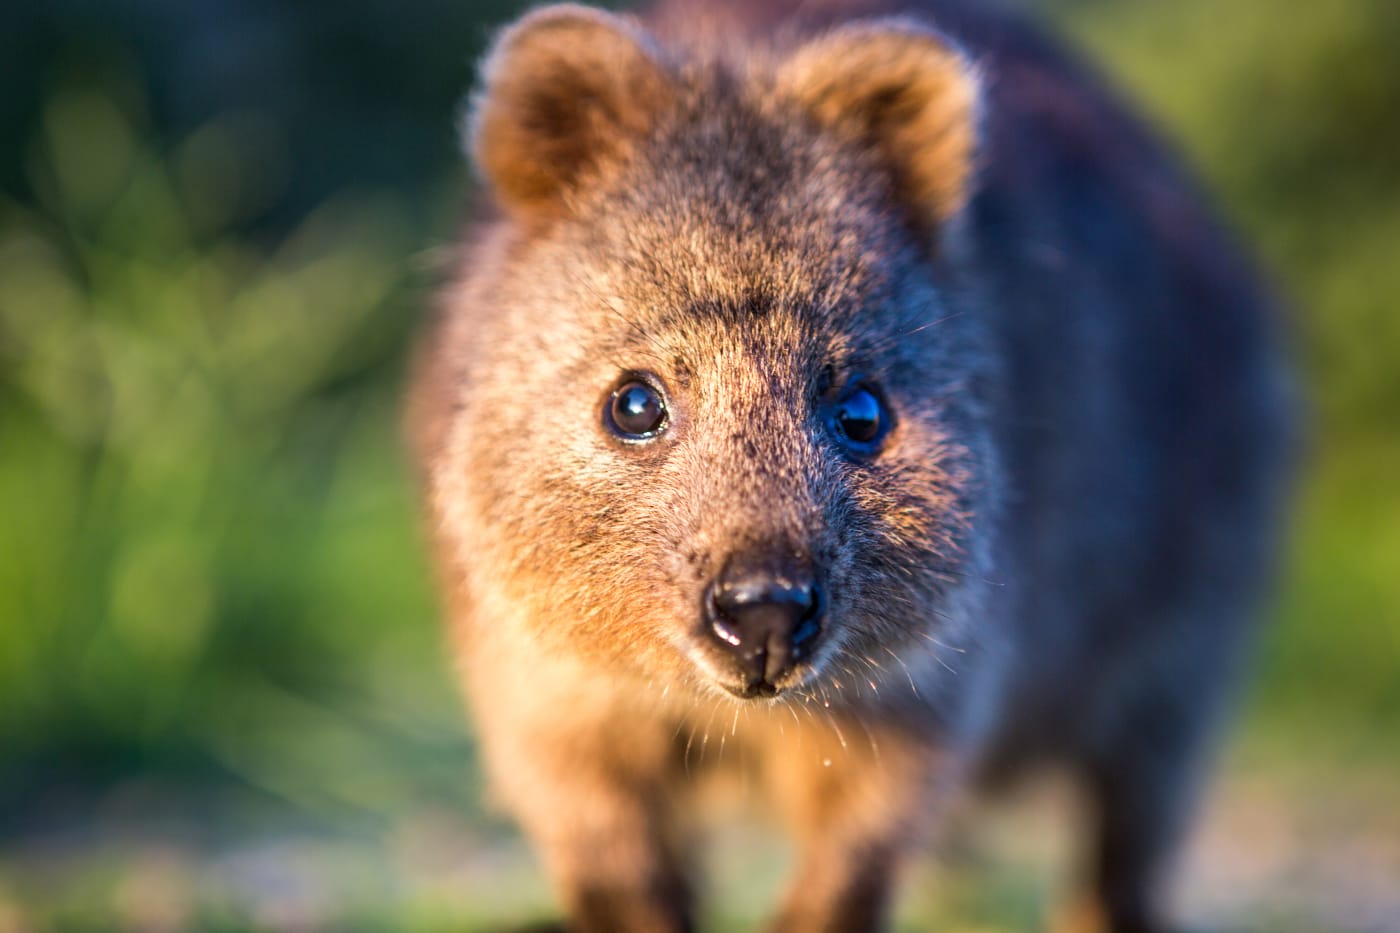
596	805
610	860
856	801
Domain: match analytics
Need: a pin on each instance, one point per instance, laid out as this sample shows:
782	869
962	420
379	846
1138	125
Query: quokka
861	377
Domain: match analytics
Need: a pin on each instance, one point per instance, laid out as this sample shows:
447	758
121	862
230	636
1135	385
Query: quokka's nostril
806	631
767	614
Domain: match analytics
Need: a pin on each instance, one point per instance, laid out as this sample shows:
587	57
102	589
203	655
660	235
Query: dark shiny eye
636	411
860	418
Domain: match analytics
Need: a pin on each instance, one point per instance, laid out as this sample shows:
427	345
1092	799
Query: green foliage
211	546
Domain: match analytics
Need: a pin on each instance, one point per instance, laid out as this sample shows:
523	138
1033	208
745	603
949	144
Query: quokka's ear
904	90
565	91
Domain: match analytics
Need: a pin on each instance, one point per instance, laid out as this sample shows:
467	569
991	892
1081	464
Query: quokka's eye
636	411
860	419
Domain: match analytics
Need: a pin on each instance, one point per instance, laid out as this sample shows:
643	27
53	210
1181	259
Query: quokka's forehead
774	341
736	164
826	313
700	258
660	305
731	219
750	176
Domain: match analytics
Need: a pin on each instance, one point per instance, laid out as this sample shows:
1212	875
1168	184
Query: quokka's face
745	466
718	428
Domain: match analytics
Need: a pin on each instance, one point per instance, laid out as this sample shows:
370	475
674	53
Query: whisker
840	736
942	644
874	746
705	739
912	686
926	326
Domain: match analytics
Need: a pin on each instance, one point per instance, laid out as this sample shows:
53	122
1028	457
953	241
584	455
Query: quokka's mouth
752	690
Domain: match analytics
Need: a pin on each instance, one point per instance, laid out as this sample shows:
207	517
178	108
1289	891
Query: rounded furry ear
565	92
902	89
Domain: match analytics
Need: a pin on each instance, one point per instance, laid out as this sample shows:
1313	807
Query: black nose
767	614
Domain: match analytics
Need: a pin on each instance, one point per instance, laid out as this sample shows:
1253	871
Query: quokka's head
717	416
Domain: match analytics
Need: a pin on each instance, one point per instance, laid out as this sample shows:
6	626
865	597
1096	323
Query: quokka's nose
768	615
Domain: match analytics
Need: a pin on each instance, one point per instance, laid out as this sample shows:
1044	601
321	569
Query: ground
1306	850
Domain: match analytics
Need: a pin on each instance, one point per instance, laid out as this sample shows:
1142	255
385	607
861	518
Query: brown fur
754	210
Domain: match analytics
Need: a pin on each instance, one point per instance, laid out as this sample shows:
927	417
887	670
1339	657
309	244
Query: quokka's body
870	394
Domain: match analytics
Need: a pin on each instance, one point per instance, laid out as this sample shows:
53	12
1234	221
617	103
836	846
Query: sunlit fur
1053	552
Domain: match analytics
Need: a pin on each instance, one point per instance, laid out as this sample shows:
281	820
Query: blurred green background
224	701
